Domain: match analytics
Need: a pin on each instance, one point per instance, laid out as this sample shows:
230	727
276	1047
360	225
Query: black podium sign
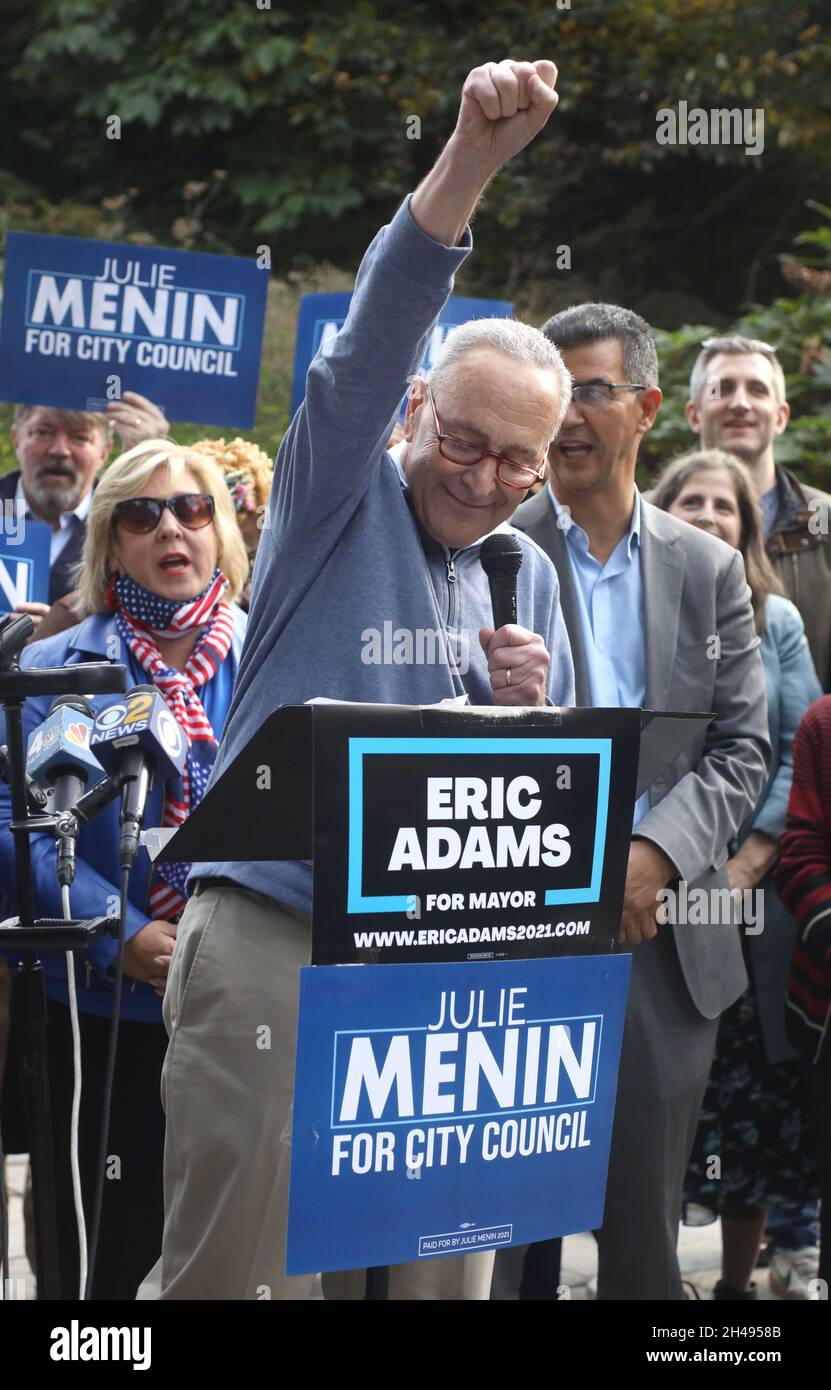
487	837
359	788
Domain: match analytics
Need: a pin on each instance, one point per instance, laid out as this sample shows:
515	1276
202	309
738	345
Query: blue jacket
341	557
95	891
791	684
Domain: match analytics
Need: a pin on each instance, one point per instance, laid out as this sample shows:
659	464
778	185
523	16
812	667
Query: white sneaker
790	1272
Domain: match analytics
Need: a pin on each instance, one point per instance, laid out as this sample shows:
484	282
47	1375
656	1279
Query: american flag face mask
167	617
141	617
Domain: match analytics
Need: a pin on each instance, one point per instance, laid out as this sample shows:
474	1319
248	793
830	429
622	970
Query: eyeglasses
142	514
518	475
600	393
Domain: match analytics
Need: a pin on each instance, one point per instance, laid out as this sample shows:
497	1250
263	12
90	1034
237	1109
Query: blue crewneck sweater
342	555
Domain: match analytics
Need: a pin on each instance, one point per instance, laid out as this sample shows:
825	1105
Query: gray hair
512	338
91	419
732	345
584	324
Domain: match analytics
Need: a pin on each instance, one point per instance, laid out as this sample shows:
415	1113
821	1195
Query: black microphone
501	556
15	631
137	741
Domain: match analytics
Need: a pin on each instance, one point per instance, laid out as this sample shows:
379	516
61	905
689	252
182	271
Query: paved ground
700	1249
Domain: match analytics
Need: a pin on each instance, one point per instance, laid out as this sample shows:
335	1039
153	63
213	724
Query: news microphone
501	556
59	755
138	742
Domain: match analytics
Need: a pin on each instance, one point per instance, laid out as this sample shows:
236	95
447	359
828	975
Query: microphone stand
28	934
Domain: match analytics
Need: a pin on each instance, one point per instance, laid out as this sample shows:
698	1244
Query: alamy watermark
83	1343
718	126
13	520
702	907
420	646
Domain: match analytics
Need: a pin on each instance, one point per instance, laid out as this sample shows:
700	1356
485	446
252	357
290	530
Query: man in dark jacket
737	402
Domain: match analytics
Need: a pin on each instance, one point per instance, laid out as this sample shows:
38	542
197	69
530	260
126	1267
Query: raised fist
504	106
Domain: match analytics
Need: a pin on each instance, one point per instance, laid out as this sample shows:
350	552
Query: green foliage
799	327
290	123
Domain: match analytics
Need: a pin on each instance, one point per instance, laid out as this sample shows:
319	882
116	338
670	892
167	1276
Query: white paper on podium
458	700
155	840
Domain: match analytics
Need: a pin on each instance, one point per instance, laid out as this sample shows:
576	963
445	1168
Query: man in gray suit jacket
658	615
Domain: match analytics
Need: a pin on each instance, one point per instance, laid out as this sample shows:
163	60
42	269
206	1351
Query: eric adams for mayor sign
84	321
470	839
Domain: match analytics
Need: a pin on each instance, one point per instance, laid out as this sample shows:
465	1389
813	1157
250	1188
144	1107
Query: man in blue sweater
355	539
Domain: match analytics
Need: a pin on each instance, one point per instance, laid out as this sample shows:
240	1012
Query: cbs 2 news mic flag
443	839
85	320
142	721
449	1109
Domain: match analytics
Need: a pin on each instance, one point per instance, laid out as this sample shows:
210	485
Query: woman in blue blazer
163	564
753	1116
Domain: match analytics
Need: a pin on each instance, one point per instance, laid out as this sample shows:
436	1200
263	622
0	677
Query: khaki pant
228	1107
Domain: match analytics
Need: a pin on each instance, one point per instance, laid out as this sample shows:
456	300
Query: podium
456	1093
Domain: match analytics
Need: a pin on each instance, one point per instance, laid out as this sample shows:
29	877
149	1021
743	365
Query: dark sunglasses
141	514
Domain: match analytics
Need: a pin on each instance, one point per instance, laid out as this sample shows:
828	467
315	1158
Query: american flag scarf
141	618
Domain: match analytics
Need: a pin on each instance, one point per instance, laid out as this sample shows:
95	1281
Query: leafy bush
800	329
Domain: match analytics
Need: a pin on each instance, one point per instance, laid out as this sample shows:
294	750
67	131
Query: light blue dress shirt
610	604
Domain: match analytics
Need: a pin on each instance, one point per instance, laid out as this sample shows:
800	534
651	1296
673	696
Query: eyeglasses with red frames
193	510
462	452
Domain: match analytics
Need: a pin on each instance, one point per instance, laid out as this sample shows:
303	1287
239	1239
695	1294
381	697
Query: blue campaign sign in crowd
24	558
322	315
84	319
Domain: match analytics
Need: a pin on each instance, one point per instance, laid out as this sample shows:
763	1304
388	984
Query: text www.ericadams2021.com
454	936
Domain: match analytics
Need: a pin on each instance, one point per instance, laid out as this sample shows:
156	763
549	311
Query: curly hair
248	470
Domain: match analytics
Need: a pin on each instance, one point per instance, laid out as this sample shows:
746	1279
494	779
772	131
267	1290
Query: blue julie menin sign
85	320
25	547
451	1108
322	315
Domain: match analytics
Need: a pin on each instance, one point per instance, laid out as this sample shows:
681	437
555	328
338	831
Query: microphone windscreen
76	702
500	555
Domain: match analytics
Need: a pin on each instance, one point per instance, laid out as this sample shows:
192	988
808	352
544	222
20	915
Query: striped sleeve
803	874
